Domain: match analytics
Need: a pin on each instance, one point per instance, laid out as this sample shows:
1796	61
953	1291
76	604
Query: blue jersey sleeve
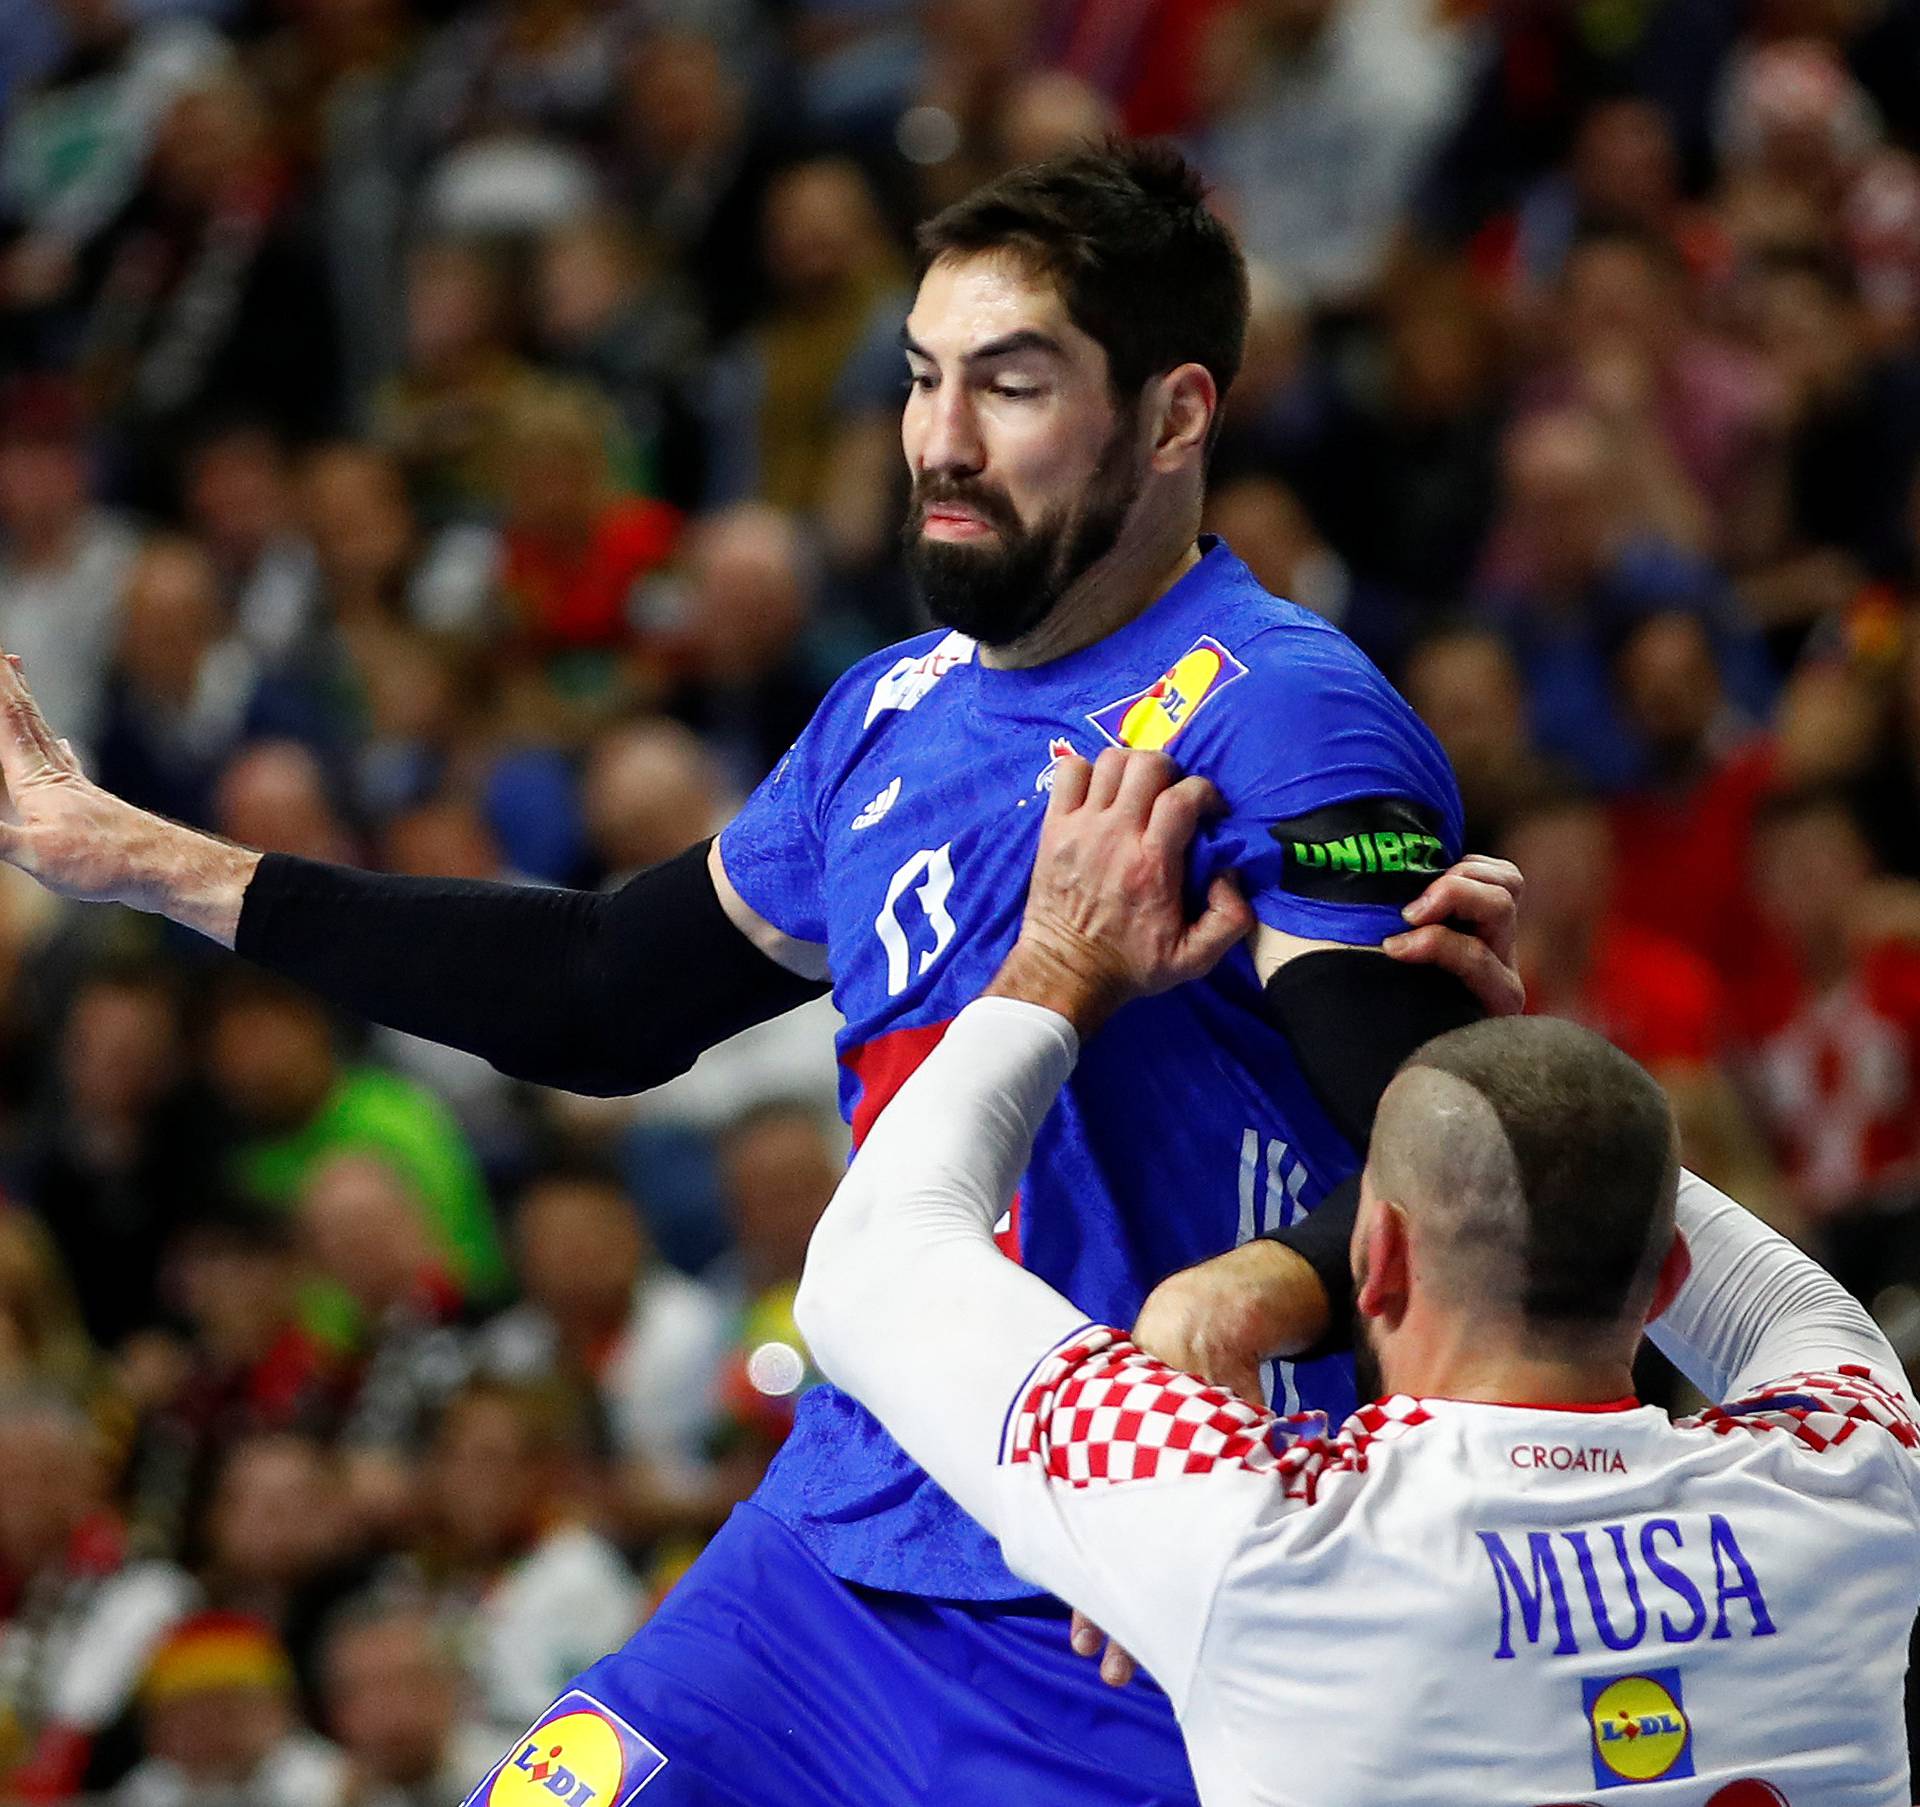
1341	807
773	850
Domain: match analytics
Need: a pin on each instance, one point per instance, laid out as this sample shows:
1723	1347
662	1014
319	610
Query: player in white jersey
1505	1581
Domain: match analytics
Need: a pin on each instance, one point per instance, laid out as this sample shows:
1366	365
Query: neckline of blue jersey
1217	564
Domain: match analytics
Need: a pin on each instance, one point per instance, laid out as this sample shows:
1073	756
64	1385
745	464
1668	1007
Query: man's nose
952	446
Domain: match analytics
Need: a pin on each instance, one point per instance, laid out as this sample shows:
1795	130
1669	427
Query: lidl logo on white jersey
579	1754
1640	1728
908	680
1150	718
876	810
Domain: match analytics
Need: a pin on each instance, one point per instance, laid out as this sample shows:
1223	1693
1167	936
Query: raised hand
1106	916
85	843
1466	921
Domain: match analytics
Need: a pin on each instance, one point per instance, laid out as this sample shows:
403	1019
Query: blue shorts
766	1681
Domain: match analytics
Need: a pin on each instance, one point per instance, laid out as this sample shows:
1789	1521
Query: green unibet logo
1381	851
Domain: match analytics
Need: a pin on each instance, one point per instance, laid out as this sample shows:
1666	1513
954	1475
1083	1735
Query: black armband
1353	1016
598	992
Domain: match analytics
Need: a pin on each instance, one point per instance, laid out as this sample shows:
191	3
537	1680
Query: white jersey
1445	1604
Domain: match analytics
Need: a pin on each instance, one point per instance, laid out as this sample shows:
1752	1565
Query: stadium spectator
694	158
1406	475
277	791
607	318
1467	687
575	553
63	560
1623	171
77	142
1836	1037
184	693
272	1062
280	1541
837	289
44	1345
1323	115
242	505
442	412
649	791
1570	568
524	1591
368	1233
77	1614
1683	838
777	1169
201	275
1648	994
1848	451
222	1728
392	1691
746	682
1267	525
1686	412
246	1364
121	1153
632	1342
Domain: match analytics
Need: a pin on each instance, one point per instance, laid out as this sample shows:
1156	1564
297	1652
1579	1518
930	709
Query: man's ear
1673	1275
1184	403
1386	1266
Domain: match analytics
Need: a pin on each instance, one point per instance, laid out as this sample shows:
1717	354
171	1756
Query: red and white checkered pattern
1820	1411
1100	1411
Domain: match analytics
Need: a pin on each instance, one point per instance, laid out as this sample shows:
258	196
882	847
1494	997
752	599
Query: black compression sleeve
600	992
1353	1016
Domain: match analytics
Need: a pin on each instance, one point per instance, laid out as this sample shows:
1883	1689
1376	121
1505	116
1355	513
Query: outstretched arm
1753	1309
595	992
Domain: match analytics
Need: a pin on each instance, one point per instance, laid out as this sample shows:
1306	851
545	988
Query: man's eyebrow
1006	346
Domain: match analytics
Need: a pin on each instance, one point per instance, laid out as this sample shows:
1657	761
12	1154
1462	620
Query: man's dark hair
1124	232
1589	1147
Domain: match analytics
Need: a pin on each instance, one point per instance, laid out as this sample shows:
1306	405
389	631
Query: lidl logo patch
1150	718
1640	1728
580	1754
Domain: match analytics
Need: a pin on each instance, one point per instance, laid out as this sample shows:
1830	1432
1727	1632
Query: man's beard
998	593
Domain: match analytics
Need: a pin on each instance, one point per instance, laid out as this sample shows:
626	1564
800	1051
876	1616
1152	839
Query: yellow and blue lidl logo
580	1754
1150	718
1641	1732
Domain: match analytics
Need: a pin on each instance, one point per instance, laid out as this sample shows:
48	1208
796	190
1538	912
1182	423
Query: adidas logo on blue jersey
878	807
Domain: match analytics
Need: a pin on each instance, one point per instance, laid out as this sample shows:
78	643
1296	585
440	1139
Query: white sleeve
1111	1480
905	1301
1754	1310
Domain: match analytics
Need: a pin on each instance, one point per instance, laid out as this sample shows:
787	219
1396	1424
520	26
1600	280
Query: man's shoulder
896	679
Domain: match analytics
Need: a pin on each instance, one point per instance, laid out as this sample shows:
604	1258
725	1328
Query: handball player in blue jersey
851	1638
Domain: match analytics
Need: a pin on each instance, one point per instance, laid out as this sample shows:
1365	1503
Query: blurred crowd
460	438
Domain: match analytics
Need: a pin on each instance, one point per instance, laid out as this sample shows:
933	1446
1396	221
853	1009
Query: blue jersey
900	832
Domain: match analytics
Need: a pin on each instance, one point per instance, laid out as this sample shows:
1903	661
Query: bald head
1536	1167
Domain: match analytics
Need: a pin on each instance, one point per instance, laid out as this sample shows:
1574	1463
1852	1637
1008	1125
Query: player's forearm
588	991
194	879
1754	1308
906	1302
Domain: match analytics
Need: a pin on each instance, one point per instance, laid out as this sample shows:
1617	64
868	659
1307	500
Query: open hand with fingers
83	842
1106	917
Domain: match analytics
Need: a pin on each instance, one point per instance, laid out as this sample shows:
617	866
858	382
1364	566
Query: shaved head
1535	1165
1439	1153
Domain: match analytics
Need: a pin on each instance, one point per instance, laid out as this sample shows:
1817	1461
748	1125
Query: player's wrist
194	879
1286	1302
1063	977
